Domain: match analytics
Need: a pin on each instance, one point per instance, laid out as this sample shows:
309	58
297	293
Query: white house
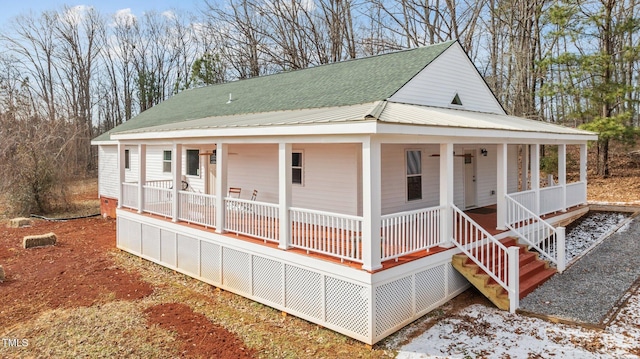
341	193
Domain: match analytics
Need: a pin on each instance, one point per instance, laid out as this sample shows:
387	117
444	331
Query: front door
470	191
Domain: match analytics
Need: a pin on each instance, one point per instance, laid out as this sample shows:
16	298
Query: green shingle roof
339	84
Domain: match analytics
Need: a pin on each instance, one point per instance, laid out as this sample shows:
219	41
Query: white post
371	204
560	253
562	174
176	171
514	278
142	175
121	177
446	194
284	193
221	184
535	177
583	169
501	207
524	180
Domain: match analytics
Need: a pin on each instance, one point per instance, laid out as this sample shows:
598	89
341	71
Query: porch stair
533	272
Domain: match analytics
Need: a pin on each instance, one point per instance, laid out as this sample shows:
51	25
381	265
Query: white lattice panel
303	291
393	304
210	261
236	270
129	235
151	241
188	254
455	279
430	288
267	279
168	247
347	305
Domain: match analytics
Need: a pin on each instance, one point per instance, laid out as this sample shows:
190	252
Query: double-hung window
166	161
193	162
414	175
296	167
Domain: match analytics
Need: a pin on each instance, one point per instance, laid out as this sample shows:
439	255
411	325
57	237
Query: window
193	162
127	160
456	100
414	175
296	167
166	161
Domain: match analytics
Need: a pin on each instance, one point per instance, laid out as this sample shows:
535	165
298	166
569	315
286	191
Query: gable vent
456	100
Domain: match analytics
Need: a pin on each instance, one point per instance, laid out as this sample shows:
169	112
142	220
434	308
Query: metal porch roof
380	111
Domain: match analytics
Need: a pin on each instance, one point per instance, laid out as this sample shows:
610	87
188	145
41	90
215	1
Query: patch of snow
589	230
479	331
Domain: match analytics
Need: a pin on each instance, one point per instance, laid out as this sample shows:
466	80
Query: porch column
525	169
535	177
583	169
562	174
121	172
221	184
176	171
446	194
284	193
501	206
142	175
371	204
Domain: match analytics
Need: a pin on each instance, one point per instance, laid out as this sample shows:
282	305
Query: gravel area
594	284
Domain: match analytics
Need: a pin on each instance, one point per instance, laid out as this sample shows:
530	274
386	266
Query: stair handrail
478	244
536	232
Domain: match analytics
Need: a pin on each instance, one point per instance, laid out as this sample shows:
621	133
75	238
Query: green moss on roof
338	84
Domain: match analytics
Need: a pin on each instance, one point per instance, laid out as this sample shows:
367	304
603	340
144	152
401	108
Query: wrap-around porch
353	238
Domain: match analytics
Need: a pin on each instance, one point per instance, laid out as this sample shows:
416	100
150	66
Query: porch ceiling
307	122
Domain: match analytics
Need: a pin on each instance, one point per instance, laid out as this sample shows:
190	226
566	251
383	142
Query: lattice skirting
366	307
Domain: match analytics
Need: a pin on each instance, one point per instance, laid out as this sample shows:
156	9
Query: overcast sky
12	8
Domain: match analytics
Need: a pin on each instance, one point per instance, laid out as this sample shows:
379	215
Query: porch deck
484	216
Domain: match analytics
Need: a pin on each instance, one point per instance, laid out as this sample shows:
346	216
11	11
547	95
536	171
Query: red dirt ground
197	335
75	272
78	271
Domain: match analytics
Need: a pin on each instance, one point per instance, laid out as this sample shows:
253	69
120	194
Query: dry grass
260	327
113	330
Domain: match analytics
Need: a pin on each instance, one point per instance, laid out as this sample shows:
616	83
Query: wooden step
533	272
530	284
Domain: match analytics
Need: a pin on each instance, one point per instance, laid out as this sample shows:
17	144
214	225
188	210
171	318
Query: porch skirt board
366	311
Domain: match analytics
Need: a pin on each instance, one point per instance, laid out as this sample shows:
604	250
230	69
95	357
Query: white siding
108	171
487	175
452	72
154	163
330	178
458	179
254	167
329	175
131	174
394	185
512	168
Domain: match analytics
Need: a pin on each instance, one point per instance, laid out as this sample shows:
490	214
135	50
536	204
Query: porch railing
409	232
525	198
551	200
251	218
158	200
576	193
130	195
198	208
333	234
166	183
534	231
493	257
